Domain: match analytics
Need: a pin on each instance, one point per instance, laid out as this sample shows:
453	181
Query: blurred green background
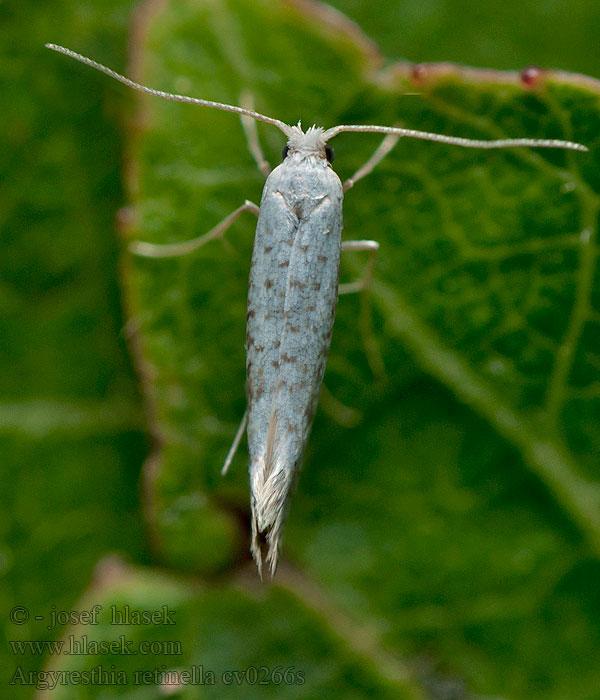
75	430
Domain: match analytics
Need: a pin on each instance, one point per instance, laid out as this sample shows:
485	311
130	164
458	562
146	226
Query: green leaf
447	542
464	509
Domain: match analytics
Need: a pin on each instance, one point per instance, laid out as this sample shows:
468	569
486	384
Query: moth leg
380	153
235	444
249	126
363	285
169	250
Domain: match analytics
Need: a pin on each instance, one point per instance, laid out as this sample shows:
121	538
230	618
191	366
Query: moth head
309	143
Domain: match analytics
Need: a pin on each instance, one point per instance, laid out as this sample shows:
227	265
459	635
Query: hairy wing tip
265	538
273	556
270	483
271	559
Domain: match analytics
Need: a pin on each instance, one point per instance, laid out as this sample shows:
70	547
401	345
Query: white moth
292	294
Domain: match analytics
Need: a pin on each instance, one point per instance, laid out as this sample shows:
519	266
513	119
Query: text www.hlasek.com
83	646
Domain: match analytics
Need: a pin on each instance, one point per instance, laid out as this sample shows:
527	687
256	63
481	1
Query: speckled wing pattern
292	296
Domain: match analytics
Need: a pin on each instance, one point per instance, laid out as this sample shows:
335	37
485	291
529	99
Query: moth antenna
168	95
456	140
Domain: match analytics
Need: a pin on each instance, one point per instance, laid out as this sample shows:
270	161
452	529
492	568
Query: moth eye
284	152
329	153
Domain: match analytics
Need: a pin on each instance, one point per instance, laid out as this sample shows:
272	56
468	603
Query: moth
292	293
